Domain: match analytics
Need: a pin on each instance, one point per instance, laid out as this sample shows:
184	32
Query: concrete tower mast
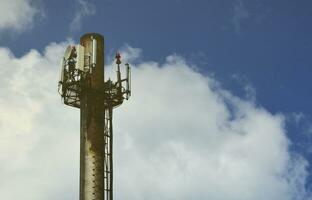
82	86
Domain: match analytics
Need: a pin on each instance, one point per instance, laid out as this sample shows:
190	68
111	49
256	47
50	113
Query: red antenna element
118	62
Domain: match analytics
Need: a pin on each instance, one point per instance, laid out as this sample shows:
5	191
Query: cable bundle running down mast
82	86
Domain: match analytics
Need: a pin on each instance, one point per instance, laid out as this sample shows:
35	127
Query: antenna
128	81
62	71
68	52
60	83
80	57
82	86
118	83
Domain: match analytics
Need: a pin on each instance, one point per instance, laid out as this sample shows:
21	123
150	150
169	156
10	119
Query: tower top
95	35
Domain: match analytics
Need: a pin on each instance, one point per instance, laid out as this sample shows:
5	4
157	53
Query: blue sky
258	50
261	40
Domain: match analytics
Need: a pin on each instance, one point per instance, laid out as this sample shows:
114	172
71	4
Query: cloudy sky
220	107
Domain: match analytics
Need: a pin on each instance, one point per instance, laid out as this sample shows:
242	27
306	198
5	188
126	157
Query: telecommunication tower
82	85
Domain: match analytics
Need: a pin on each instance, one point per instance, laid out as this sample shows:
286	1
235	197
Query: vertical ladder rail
108	154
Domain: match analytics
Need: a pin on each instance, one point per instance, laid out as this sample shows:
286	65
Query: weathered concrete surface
92	125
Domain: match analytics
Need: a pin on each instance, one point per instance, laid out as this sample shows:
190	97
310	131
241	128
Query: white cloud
34	135
180	136
84	8
17	15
